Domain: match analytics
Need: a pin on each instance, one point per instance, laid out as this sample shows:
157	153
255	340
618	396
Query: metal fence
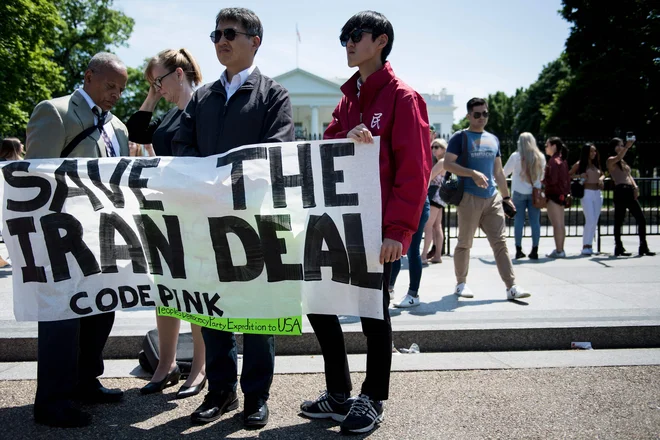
649	199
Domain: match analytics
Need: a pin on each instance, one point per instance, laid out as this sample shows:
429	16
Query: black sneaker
326	407
363	416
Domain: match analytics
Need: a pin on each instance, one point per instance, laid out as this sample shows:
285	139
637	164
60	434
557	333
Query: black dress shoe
194	390
99	395
621	252
172	378
215	405
255	418
61	416
644	251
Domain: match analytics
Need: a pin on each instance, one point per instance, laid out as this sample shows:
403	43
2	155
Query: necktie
101	122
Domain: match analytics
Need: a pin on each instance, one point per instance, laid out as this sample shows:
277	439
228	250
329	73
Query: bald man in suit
70	356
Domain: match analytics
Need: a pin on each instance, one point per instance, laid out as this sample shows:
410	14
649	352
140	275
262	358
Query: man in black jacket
243	107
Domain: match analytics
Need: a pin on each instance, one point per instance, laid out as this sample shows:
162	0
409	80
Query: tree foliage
92	26
614	56
45	46
27	27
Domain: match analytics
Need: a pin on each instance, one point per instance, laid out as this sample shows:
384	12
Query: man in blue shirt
481	206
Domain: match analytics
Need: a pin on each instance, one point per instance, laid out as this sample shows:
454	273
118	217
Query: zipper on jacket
224	109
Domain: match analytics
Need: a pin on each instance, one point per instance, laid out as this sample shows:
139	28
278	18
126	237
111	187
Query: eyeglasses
229	33
477	115
158	82
355	35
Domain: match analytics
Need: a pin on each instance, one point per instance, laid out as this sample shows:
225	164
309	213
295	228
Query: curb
429	341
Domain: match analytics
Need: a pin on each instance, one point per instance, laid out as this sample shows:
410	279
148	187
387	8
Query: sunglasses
436	147
230	34
355	35
158	82
477	115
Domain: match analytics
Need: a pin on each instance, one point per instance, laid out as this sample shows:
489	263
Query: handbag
538	198
451	187
577	188
433	189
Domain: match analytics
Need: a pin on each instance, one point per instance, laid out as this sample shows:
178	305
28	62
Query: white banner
253	233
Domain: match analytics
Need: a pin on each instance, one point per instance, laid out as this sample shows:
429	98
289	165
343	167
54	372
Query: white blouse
519	181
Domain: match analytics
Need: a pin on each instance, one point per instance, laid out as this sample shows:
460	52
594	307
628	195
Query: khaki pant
487	214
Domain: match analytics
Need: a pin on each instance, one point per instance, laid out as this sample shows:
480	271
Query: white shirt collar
89	100
239	79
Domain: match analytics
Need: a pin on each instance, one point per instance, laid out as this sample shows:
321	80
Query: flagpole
297	43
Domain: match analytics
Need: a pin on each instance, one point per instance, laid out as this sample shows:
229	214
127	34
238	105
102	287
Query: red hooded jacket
394	111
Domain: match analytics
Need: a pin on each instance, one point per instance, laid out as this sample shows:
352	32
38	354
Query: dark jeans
70	356
379	349
624	199
414	258
222	364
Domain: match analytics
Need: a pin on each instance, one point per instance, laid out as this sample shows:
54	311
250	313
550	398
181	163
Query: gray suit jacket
57	122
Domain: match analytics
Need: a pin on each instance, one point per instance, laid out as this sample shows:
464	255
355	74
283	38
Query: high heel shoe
194	390
172	378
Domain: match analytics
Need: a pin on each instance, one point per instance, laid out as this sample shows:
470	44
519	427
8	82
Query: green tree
540	96
90	26
27	70
136	92
614	56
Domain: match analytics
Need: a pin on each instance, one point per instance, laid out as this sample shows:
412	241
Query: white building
314	98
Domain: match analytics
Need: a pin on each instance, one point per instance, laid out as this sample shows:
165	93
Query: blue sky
470	48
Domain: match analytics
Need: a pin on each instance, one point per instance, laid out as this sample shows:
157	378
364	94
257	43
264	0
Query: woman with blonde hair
433	229
173	74
526	166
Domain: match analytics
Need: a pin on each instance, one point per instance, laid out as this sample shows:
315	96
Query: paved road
566	403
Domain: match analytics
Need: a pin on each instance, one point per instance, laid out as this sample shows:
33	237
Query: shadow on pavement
147	418
447	303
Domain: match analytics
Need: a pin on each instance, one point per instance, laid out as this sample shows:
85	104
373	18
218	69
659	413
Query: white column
315	122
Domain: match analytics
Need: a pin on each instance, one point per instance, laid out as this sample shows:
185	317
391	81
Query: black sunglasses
355	35
158	82
477	115
230	34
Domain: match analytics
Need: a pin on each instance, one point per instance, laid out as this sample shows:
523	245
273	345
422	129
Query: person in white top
526	166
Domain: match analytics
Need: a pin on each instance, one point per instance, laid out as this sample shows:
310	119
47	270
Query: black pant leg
620	206
379	347
258	368
331	339
57	363
636	211
94	332
221	360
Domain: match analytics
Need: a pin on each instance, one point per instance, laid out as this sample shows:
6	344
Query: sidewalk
610	302
561	403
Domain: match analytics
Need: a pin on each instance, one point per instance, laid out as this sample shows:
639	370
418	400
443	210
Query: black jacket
259	112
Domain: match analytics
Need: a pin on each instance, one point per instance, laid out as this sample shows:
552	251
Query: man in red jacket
375	103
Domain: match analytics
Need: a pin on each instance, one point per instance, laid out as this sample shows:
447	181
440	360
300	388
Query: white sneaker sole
464	295
378	421
405	305
520	296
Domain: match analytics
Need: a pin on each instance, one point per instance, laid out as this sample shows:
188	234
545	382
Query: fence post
448	231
